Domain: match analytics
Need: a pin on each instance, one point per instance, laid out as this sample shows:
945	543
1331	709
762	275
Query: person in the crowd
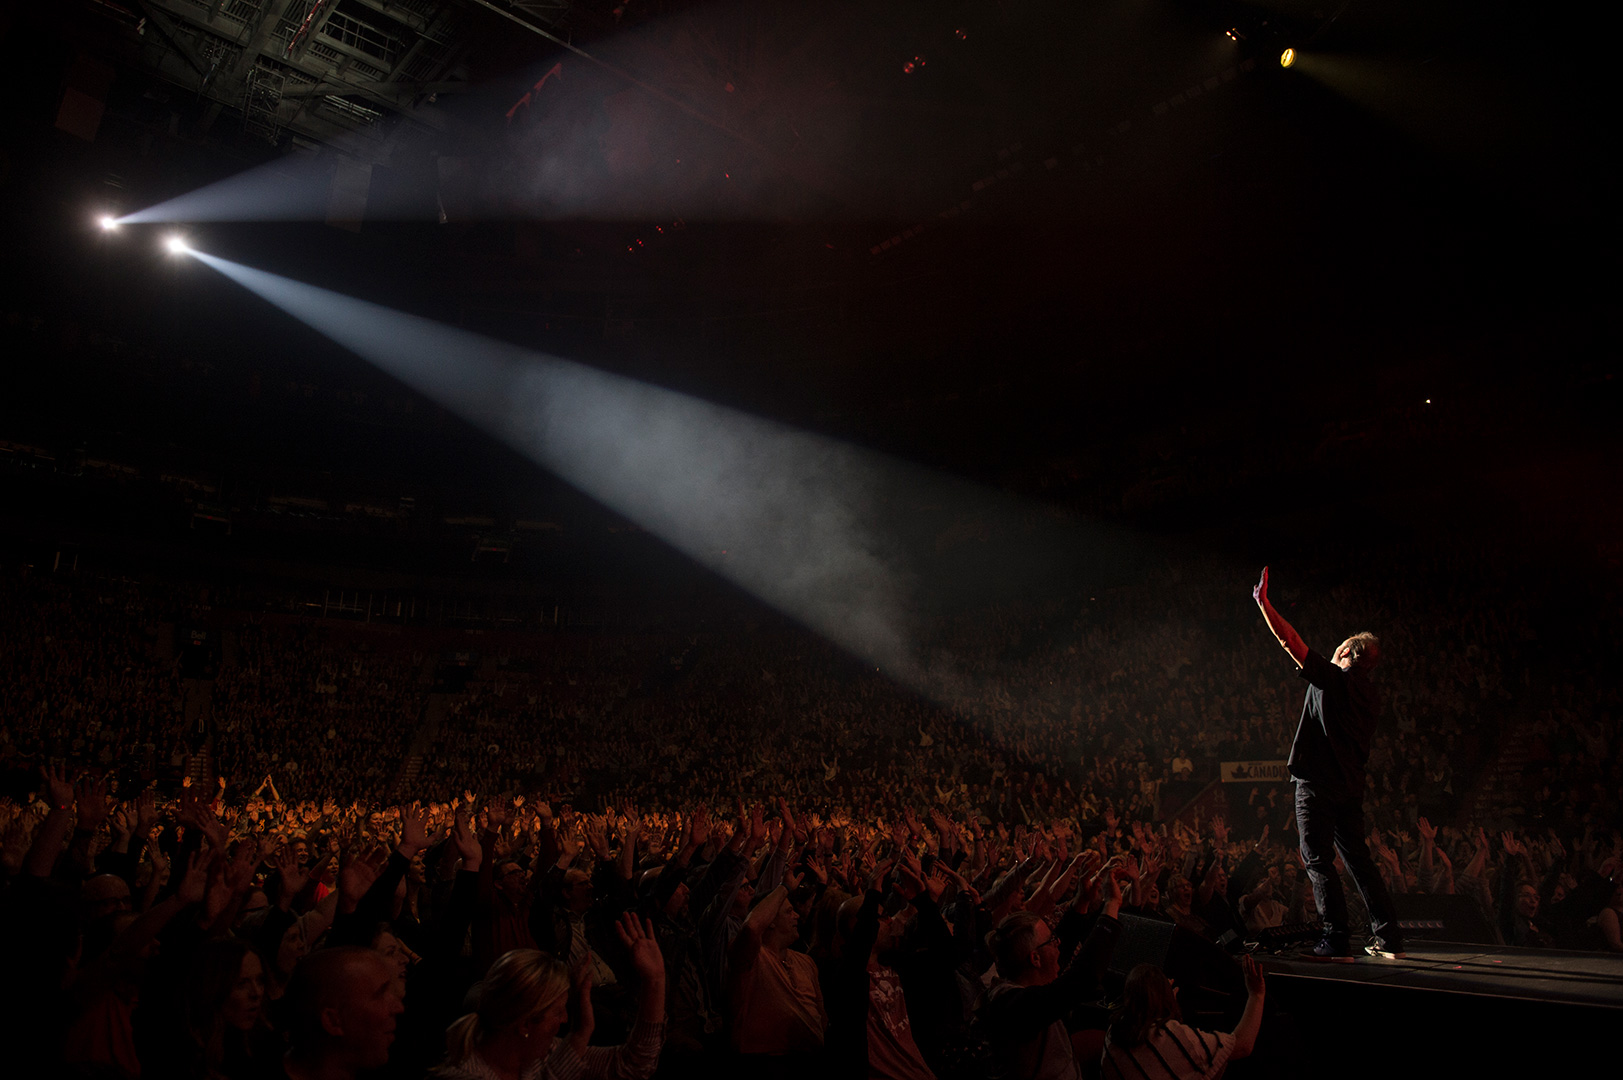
1609	923
340	1010
225	1014
775	999
870	1031
1044	973
103	895
525	999
1519	922
1148	1040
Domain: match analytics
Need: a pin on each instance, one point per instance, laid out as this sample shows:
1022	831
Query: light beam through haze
792	511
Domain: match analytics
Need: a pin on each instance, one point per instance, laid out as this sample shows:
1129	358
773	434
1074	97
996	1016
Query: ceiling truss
320	69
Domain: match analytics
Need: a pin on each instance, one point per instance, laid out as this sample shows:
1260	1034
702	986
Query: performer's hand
1260	593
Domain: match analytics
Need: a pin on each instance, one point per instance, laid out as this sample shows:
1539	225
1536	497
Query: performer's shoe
1336	951
1386	951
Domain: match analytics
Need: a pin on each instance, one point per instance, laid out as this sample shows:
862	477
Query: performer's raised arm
1287	635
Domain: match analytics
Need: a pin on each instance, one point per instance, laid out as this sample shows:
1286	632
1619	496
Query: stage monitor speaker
1438	917
1142	941
1210	983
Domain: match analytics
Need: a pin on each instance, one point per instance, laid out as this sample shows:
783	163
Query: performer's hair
1364	650
1147	1003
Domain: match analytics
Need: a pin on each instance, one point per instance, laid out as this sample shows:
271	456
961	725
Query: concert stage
1574	978
1446	1008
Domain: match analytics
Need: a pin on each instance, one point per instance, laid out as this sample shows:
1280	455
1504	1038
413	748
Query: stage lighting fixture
107	222
1287	58
176	245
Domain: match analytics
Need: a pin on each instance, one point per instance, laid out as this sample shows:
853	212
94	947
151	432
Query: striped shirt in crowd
1173	1051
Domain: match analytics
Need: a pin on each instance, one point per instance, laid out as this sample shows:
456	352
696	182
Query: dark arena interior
661	538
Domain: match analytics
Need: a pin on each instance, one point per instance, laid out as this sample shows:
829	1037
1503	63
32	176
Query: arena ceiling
976	234
314	69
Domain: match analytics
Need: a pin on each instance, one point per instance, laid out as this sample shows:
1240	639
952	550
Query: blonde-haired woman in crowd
525	999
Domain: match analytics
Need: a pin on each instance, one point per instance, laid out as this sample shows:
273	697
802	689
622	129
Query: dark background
1291	307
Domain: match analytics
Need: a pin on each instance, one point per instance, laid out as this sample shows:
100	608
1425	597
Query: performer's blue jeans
1328	825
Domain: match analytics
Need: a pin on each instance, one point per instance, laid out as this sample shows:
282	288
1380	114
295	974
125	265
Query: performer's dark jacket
1338	723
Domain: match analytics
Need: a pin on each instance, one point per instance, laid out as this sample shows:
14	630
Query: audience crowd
88	678
735	851
321	711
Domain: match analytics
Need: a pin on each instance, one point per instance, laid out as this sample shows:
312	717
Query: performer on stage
1327	761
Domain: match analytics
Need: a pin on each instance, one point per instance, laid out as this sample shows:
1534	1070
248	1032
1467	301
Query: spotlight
107	222
1287	58
1235	35
176	245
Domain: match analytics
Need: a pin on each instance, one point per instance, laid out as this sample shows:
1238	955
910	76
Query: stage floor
1577	978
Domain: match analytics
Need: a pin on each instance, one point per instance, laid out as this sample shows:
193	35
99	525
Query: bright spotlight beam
787	515
176	245
108	223
296	190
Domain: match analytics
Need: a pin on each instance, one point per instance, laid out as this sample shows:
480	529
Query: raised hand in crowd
194	884
414	835
291	876
357	872
465	839
57	790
